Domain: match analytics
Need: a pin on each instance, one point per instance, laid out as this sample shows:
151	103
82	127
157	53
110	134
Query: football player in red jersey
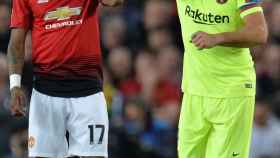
67	94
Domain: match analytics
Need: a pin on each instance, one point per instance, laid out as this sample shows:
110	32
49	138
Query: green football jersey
219	71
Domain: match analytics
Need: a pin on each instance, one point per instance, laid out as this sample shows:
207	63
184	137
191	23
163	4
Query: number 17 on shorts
85	118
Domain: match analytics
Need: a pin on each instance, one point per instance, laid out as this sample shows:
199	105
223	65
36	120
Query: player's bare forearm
253	33
16	61
16	51
112	3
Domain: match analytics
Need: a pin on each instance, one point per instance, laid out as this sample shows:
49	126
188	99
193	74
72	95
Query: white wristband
15	80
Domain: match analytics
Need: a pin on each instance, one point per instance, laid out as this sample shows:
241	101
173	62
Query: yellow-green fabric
215	127
220	71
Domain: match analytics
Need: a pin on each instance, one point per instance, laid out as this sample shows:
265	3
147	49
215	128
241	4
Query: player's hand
204	40
18	102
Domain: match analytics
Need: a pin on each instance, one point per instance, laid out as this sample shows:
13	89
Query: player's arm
111	3
21	18
254	32
16	51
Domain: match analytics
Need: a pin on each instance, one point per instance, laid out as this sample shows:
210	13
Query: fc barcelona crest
222	1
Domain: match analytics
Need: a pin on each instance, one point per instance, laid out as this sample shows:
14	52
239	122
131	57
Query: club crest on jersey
62	13
222	1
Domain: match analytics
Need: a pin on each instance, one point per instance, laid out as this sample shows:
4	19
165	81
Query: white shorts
85	118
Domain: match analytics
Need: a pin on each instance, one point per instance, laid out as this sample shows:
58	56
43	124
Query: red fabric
167	92
65	36
130	88
164	92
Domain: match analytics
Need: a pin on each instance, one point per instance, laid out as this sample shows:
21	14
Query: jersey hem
74	88
220	96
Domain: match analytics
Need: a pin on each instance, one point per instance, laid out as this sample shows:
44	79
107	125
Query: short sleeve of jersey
247	7
21	14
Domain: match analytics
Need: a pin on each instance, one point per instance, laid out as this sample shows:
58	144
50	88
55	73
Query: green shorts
215	127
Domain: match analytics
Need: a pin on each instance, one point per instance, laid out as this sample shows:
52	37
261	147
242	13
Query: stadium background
142	52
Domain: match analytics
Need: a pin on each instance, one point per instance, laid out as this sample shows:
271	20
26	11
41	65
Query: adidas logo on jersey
205	18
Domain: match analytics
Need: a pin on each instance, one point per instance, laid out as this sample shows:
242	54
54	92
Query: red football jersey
65	37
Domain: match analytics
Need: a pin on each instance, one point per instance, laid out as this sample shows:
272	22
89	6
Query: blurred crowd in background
142	64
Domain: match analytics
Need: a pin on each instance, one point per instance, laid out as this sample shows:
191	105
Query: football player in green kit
219	80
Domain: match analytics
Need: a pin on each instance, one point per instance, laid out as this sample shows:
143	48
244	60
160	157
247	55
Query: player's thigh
193	128
88	126
46	131
232	127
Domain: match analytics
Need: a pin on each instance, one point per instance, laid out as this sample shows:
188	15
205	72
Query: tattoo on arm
16	51
12	58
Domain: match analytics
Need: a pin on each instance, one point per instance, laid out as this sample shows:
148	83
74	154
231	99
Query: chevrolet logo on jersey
63	13
205	18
